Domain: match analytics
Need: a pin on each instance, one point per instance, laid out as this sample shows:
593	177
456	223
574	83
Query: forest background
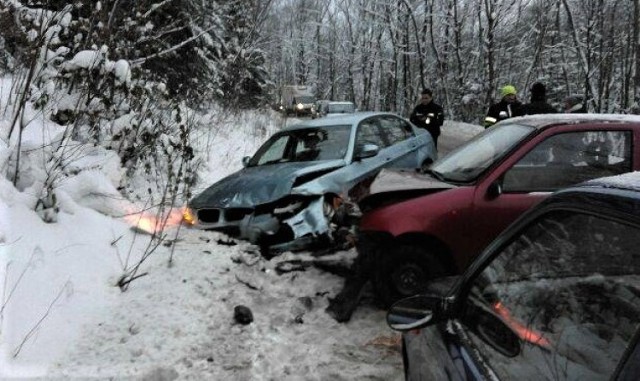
378	54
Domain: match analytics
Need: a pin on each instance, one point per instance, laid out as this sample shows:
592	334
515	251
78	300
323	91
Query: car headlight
188	217
300	106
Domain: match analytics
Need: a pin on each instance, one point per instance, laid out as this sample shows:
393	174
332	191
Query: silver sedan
299	189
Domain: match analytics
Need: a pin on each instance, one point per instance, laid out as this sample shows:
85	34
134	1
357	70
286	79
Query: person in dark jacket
575	104
428	115
538	104
508	107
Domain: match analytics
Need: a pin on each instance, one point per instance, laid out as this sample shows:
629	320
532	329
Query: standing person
428	115
508	107
574	104
538	104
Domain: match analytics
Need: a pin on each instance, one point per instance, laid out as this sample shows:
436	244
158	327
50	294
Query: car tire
403	272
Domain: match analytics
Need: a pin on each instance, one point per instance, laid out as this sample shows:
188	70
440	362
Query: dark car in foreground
300	187
555	297
420	226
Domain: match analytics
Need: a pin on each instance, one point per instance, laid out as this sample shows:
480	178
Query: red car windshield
468	161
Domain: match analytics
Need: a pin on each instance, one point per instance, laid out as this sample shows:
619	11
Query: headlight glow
300	106
188	217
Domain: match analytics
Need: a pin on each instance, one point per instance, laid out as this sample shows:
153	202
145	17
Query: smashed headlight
288	209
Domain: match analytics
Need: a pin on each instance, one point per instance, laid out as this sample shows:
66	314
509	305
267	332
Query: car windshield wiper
275	161
435	174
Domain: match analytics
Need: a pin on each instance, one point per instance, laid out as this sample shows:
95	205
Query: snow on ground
63	317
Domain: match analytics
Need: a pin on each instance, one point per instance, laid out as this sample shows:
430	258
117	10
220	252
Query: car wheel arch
407	270
435	246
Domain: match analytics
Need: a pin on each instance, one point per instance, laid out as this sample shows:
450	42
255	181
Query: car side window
395	129
561	301
570	158
369	133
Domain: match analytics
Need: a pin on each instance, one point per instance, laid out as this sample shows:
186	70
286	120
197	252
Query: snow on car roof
630	180
541	120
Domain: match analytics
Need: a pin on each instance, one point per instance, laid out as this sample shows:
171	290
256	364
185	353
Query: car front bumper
296	232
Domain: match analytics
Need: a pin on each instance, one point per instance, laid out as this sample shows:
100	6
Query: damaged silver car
300	188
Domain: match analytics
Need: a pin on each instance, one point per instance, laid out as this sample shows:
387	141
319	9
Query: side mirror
494	190
367	150
245	161
418	311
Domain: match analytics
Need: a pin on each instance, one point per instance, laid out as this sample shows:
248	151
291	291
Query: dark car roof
345	119
546	120
619	193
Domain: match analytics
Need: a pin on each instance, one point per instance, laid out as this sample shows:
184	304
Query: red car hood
389	180
394	185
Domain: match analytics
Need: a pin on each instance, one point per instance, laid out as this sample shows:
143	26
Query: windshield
309	144
567	287
305	99
467	162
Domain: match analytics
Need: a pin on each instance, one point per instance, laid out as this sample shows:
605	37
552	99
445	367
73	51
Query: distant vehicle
337	108
297	100
300	188
420	226
554	297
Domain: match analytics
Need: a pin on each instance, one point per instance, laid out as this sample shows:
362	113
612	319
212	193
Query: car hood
400	184
398	180
253	186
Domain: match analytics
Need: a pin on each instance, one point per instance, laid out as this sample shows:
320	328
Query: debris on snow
242	314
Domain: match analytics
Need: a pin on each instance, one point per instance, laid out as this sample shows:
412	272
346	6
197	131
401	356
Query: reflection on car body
299	187
556	296
422	226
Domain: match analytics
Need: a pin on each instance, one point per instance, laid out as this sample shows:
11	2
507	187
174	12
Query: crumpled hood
394	185
253	186
393	180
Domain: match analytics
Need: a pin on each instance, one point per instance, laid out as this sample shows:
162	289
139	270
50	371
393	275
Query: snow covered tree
243	77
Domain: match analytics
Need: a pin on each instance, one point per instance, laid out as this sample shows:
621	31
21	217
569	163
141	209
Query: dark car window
369	133
569	158
304	99
395	129
562	301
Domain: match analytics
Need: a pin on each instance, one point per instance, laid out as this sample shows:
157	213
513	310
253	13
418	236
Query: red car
416	227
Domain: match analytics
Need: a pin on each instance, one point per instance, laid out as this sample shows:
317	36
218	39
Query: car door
558	301
404	148
556	158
